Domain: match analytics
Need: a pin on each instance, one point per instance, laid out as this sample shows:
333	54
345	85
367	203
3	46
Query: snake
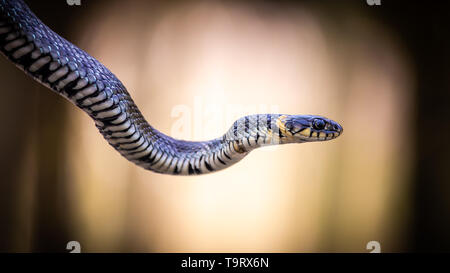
80	78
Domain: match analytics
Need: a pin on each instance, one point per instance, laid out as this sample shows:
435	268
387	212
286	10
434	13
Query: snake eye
318	124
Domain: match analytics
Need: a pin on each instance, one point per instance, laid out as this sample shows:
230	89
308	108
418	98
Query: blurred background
193	67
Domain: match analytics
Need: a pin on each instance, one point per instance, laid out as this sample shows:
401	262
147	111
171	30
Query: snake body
83	80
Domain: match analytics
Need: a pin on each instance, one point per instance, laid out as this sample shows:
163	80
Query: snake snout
335	127
332	130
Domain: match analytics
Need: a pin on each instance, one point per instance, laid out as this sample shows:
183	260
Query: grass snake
74	74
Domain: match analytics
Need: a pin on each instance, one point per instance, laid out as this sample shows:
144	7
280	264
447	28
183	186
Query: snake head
306	128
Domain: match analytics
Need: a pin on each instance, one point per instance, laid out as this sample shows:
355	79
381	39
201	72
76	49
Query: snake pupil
319	124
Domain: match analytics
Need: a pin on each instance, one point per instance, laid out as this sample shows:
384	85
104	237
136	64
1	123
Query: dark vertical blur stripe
432	203
51	215
424	28
15	127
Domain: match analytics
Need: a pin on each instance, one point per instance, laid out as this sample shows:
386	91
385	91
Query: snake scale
72	73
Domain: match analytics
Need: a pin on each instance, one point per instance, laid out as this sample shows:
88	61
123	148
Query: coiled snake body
80	78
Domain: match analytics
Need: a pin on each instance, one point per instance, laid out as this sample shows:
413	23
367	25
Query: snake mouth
310	134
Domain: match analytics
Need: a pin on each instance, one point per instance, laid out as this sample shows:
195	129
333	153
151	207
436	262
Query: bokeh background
193	67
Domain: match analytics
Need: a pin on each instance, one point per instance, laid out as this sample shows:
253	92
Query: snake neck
167	155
